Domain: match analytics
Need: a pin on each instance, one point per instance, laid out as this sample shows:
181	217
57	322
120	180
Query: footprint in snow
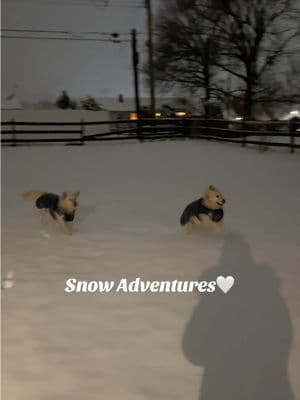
45	234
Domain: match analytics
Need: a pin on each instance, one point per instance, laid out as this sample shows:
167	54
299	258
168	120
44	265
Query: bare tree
247	39
187	49
254	36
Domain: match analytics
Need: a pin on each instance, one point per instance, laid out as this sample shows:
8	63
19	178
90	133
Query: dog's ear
76	194
64	195
211	187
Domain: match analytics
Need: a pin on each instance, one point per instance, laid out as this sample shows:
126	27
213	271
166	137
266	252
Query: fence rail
263	134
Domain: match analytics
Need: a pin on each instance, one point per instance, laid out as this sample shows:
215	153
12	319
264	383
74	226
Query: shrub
64	101
89	103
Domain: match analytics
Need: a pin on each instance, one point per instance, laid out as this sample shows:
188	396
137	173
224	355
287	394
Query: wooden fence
262	134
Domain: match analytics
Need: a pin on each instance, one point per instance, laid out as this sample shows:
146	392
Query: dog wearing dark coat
61	208
207	210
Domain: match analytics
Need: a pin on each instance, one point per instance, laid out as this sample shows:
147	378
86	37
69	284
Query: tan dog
61	208
207	210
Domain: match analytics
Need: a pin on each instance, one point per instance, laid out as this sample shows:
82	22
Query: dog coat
197	207
50	201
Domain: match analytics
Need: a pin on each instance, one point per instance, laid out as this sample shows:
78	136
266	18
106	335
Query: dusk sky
43	68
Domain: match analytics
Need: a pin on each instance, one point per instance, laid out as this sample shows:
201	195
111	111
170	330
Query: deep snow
152	346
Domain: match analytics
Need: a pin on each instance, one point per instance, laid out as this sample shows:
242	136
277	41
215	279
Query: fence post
82	131
13	132
292	128
140	129
244	142
263	147
186	128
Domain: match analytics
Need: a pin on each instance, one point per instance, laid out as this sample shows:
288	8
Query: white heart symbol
225	284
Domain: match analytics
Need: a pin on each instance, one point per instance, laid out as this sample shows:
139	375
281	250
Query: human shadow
242	339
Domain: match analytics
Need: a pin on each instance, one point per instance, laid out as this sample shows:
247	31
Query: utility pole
135	63
151	62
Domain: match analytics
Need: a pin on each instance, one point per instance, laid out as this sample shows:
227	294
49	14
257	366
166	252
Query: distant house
119	104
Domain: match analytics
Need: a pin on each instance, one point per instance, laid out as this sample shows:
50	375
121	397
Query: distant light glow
133	116
180	114
158	114
238	118
295	113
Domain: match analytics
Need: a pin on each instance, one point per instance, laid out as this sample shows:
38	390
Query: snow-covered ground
239	346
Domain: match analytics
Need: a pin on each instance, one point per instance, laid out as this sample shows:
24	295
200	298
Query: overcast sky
43	68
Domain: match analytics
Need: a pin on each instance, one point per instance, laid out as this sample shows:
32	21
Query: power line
65	38
28	30
95	3
114	4
104	3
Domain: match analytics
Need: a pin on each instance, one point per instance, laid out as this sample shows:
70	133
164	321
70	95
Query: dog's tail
33	195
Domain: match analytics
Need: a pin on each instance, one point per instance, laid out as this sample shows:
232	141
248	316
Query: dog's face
213	198
68	201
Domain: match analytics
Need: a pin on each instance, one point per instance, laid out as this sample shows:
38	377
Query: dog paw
217	230
188	228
